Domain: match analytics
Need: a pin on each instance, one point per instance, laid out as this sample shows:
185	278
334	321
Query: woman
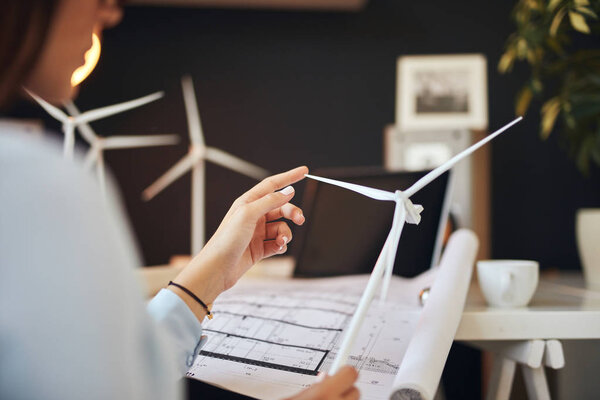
73	323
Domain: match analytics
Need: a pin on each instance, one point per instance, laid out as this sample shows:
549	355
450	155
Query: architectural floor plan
270	340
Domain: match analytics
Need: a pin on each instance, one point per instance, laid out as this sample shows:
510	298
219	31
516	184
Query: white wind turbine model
195	161
69	123
98	144
405	211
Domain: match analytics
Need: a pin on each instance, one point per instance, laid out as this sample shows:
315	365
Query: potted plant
559	42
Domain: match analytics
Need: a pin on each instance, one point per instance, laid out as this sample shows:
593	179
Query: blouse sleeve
180	324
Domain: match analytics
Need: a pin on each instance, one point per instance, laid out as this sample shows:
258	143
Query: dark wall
288	88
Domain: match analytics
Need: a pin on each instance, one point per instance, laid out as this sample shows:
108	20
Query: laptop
345	231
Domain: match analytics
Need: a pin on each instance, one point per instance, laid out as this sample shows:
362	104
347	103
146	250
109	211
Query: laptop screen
345	231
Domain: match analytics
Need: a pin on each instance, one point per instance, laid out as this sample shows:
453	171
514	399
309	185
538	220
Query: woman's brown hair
23	29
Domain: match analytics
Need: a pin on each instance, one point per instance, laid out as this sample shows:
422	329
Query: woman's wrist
198	310
202	279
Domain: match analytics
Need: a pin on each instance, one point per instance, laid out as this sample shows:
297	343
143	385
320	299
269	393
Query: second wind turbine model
198	153
80	121
98	144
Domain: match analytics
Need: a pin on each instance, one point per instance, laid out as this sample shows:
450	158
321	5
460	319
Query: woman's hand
337	387
249	232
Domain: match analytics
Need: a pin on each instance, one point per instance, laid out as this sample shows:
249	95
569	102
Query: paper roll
421	369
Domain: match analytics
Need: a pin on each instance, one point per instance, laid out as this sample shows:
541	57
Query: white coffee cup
508	283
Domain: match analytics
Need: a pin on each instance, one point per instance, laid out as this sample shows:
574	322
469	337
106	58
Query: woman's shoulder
49	202
21	146
34	162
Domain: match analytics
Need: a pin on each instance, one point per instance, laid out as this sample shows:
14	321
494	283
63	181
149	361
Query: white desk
560	309
530	337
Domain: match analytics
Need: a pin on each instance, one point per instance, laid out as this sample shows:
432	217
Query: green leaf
537	86
556	21
523	101
552	5
506	61
550	111
578	22
582	2
587	11
534	4
522	48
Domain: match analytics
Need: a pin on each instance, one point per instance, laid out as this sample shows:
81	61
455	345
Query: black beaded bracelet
193	296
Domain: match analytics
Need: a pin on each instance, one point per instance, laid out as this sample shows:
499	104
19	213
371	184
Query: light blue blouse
73	320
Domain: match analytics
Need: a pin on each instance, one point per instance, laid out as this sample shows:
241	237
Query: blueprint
269	339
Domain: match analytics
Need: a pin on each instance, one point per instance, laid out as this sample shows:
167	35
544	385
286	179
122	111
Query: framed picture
442	92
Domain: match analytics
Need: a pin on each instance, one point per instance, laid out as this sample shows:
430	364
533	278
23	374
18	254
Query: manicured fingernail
287	190
300	216
285	240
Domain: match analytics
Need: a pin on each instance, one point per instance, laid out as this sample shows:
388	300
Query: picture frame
442	92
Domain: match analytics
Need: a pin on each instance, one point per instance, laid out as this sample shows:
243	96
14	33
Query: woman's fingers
287	211
339	386
280	232
271	248
270	202
341	382
278	235
274	183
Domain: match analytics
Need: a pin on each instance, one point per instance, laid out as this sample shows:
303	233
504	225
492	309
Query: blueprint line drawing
270	342
285	357
277	320
282	306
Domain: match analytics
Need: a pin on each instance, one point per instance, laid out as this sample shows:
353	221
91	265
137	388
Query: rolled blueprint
421	369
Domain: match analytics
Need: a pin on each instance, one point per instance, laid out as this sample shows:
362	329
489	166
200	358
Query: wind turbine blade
103	112
50	109
181	167
125	142
424	181
191	111
69	141
85	129
376	194
392	248
236	164
90	157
